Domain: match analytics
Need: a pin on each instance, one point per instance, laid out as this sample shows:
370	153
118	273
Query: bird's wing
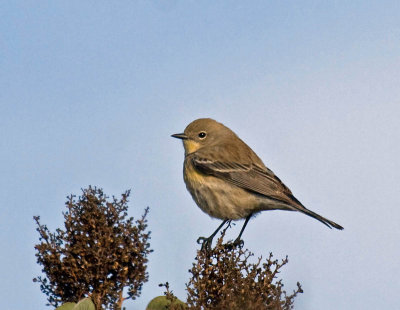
248	176
258	179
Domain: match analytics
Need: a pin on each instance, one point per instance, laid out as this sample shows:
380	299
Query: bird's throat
190	146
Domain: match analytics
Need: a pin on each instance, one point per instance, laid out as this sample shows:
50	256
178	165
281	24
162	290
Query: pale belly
220	199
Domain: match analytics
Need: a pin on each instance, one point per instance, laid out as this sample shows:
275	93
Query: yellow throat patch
190	146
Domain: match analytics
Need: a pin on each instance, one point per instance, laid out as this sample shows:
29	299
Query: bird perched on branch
228	181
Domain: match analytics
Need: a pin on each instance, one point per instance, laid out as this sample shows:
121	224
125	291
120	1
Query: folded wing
256	179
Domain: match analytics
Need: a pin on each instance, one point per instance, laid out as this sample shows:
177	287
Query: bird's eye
202	135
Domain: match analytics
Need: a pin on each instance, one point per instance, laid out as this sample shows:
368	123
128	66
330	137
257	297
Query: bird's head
203	132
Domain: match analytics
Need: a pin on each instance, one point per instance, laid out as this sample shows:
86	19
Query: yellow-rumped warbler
228	181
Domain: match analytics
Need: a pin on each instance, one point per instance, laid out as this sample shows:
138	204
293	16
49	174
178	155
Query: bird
228	181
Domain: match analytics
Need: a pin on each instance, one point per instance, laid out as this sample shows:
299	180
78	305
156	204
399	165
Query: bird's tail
298	206
320	218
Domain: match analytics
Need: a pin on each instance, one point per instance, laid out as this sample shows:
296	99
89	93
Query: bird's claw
205	243
232	245
238	242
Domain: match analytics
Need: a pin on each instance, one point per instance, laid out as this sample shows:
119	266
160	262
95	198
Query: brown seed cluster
224	278
100	252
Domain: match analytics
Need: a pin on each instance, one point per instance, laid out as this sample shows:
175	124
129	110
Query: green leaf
85	304
67	306
161	303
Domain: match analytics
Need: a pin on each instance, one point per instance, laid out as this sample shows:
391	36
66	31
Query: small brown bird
228	181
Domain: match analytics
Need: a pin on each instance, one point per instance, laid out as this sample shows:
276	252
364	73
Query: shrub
224	278
100	252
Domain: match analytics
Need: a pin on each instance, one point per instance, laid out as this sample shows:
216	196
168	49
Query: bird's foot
238	243
205	243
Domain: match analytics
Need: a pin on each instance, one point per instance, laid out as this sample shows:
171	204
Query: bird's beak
180	136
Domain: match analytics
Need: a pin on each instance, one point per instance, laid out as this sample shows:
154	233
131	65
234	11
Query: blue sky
92	90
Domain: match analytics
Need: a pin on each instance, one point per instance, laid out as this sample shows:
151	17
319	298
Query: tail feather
298	206
320	218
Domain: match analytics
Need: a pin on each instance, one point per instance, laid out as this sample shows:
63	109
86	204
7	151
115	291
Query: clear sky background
90	92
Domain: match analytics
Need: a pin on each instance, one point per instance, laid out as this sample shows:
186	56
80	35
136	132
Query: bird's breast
217	197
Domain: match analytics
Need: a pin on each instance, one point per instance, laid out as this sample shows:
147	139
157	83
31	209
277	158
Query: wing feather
248	176
257	178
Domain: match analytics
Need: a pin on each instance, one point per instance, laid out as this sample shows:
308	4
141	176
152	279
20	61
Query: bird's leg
206	242
238	241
